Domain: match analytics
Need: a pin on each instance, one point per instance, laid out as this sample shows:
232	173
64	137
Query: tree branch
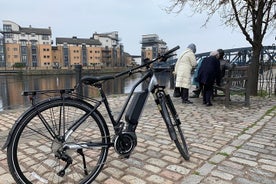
247	36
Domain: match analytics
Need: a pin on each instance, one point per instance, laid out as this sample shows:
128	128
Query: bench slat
236	81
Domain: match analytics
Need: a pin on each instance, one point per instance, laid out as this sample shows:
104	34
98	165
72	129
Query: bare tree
253	17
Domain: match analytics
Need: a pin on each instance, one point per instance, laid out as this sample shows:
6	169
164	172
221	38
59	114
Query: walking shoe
208	104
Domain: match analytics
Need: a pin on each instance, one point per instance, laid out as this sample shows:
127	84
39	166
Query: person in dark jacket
224	64
208	74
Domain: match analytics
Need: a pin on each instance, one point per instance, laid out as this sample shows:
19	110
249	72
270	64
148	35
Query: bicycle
66	138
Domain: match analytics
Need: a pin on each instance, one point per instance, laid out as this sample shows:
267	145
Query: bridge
238	56
242	56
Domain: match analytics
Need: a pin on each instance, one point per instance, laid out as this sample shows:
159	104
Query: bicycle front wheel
34	152
173	123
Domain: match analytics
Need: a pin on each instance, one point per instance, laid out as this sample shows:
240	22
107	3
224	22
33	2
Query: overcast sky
131	19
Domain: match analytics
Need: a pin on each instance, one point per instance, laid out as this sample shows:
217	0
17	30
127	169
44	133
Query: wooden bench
235	81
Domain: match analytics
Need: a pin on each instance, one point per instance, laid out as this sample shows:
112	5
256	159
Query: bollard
172	82
78	70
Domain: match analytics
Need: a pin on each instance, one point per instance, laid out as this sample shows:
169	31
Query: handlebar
170	51
162	57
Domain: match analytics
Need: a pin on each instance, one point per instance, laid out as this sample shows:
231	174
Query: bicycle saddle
89	80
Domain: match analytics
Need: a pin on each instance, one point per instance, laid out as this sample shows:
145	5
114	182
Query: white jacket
183	68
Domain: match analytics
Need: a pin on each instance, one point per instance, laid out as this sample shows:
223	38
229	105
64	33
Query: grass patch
213	163
238	147
223	154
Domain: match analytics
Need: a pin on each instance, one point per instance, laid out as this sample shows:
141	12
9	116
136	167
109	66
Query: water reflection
12	86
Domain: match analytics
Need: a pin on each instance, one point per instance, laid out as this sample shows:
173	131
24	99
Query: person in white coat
183	68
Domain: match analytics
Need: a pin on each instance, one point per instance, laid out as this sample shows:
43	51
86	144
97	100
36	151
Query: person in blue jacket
208	74
198	89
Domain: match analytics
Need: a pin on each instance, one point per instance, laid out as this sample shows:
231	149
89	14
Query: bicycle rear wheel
173	123
34	150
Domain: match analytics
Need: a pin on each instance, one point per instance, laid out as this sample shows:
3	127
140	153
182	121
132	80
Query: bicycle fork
165	106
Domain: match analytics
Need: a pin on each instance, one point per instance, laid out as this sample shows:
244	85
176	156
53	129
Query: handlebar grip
172	50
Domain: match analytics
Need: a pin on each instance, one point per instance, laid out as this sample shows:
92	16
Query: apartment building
112	50
32	47
152	46
72	51
26	45
101	50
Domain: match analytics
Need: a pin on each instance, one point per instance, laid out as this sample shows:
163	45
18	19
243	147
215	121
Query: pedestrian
208	74
198	89
224	64
183	68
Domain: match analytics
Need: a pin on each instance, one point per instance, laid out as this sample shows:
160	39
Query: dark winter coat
209	71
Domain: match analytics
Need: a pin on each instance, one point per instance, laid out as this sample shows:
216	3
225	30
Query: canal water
11	86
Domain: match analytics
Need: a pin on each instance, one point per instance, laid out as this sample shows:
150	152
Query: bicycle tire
173	124
31	151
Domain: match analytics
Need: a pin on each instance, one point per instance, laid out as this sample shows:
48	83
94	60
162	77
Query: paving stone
261	179
174	176
245	156
228	149
206	169
244	161
214	180
266	161
233	165
152	168
217	159
222	175
239	180
112	181
158	179
178	169
133	180
192	179
269	168
248	152
262	172
230	170
220	150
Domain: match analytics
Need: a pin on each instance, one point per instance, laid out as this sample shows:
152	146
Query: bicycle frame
74	134
118	125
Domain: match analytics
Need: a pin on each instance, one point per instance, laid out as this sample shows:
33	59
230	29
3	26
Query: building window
33	42
23	43
24	59
7	28
8	35
45	37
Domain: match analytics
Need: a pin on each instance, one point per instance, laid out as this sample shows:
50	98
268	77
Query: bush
19	65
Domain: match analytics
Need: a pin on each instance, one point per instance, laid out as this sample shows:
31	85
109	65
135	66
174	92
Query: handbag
176	92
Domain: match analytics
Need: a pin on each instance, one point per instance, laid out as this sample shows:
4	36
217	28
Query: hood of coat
192	47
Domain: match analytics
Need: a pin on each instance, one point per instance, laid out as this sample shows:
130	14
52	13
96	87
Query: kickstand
84	162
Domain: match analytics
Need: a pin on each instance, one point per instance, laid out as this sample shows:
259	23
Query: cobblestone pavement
227	145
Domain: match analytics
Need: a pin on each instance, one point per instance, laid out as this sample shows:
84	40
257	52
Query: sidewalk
227	145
